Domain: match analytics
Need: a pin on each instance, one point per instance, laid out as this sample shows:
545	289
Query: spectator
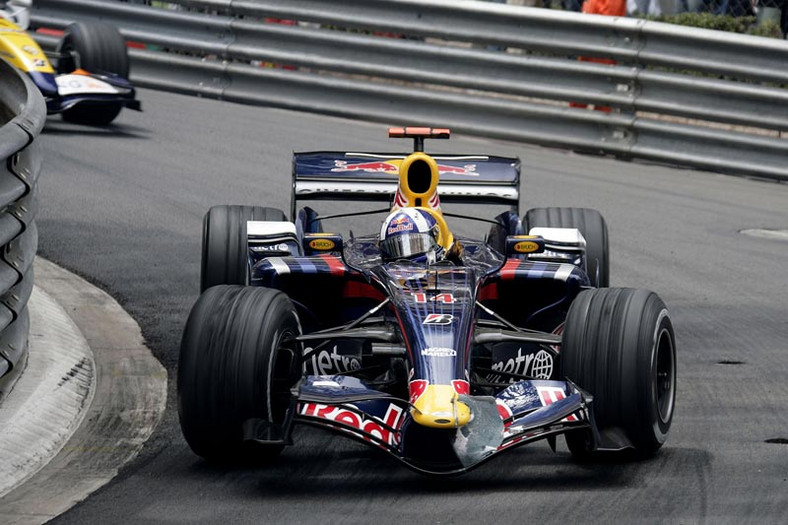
601	7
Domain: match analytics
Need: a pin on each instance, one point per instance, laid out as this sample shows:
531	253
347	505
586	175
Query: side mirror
524	244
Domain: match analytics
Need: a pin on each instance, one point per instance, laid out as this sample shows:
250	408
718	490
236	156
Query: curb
109	394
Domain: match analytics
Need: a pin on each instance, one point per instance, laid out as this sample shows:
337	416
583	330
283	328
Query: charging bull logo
392	166
371	167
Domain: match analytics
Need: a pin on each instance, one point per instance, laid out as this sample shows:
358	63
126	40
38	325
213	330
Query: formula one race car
442	351
90	82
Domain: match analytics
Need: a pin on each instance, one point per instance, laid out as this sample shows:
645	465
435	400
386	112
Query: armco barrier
22	115
683	95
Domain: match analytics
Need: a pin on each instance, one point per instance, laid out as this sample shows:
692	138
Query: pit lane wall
682	95
22	116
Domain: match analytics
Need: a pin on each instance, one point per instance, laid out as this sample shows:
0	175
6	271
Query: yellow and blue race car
88	83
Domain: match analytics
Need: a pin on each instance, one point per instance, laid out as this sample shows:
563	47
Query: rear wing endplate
476	179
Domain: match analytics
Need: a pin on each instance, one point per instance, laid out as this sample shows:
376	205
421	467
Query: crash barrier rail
22	116
681	95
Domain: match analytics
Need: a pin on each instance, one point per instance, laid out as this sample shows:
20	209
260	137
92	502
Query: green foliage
732	24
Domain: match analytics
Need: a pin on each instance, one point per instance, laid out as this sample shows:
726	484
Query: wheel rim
666	376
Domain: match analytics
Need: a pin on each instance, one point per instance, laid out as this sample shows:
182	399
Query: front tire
619	345
593	228
96	48
237	362
225	256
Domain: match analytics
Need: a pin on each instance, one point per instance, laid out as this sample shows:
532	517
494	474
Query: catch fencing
22	116
680	95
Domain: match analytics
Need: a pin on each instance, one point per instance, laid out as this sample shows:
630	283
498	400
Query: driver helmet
413	234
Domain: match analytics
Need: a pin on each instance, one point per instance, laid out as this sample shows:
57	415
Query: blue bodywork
433	314
47	84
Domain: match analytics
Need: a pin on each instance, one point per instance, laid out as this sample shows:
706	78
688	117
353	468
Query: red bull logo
371	167
392	166
400	223
467	169
356	423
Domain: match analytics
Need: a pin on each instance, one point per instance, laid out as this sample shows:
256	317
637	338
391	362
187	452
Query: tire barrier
681	95
22	116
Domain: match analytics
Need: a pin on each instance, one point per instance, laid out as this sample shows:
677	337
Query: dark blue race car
442	351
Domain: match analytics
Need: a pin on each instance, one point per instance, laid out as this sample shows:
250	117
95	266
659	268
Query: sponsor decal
439	352
440	319
537	366
30	50
392	166
445	298
367	426
322	244
400	227
550	394
526	247
374	167
466	169
80	84
271	248
327	362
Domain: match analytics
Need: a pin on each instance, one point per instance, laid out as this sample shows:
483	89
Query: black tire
96	48
225	259
235	364
618	344
593	228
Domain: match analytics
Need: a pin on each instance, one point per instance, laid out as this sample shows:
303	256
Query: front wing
524	412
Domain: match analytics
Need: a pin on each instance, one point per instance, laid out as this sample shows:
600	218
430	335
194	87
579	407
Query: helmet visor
407	245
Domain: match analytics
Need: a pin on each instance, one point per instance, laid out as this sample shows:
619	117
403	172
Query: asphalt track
123	206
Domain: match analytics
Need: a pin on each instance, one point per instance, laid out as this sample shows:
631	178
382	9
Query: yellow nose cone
439	407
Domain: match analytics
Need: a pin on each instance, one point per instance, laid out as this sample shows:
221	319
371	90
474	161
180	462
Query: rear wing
476	179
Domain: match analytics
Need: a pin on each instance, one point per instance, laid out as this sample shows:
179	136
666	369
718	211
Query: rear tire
619	345
236	364
593	228
96	48
225	256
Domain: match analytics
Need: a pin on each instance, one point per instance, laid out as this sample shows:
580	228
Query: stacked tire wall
22	116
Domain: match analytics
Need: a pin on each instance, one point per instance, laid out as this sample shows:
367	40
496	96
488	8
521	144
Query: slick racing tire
618	345
237	362
225	257
593	228
96	48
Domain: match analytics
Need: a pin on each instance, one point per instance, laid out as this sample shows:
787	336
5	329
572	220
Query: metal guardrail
22	116
483	68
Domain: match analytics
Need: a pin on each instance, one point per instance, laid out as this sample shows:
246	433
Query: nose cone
439	407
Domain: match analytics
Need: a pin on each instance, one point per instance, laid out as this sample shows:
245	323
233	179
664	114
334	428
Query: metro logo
366	427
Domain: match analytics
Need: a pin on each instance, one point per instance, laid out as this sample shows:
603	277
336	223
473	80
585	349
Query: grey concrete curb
90	398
